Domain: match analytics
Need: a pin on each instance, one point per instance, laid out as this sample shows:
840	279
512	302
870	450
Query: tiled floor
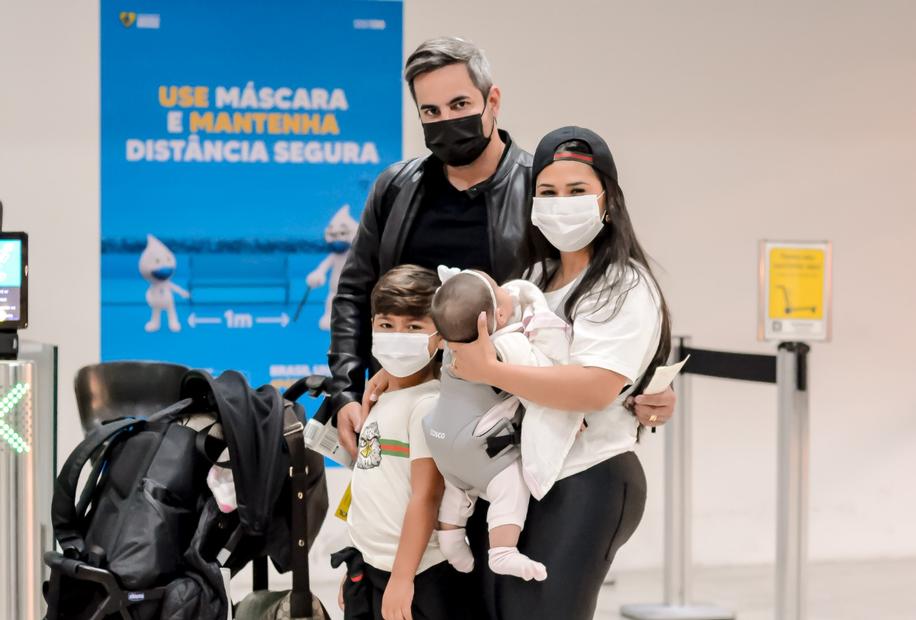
874	590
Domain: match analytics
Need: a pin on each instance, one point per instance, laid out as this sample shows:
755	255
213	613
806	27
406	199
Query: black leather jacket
386	220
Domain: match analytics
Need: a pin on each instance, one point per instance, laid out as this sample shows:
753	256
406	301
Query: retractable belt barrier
788	370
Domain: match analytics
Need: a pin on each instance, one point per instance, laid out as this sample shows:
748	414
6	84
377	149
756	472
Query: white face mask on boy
402	354
569	222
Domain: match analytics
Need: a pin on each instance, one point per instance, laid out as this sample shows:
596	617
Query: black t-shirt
451	226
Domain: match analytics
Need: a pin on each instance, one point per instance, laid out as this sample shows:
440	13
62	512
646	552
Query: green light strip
12	398
7	404
13	438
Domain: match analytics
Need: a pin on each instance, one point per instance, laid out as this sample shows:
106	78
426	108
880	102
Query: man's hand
375	387
397	599
351	416
653	409
349	422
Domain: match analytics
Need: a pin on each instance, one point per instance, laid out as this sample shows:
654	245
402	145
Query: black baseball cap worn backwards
599	157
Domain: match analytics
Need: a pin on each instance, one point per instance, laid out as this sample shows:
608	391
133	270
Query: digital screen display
11	280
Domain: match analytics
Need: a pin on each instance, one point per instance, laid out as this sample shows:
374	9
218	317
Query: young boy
395	569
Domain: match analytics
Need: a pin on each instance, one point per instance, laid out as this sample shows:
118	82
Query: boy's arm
426	488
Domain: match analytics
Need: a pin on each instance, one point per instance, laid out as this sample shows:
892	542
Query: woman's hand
653	409
475	361
397	599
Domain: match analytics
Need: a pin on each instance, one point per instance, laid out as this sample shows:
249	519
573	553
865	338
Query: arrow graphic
195	320
10	401
282	320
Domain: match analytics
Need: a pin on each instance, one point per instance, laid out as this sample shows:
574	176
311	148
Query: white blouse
624	343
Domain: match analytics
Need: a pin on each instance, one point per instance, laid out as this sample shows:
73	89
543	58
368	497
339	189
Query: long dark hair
616	245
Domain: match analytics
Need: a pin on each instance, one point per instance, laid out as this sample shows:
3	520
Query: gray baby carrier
467	460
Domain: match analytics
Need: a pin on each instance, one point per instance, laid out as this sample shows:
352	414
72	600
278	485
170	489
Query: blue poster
238	143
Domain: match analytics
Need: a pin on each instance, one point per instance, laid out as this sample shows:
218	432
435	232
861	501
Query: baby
470	431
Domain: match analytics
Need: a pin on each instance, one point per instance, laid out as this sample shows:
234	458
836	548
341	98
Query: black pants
575	531
440	592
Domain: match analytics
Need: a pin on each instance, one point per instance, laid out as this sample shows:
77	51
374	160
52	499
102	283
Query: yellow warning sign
343	509
796	283
795	291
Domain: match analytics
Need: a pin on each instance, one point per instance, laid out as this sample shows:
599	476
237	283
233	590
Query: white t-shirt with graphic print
392	436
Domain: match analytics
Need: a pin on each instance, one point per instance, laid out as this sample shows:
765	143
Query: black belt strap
727	365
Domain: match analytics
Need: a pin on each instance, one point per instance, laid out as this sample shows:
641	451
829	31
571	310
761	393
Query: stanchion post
678	479
792	481
678	510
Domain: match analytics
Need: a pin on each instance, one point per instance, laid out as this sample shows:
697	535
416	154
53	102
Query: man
464	206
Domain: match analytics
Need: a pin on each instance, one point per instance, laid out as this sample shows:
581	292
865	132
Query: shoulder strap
301	595
172	412
65	516
202	443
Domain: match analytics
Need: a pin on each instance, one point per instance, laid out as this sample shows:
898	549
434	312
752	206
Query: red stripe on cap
356	578
570	155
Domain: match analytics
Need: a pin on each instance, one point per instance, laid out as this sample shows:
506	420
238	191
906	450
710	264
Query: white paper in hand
323	439
663	377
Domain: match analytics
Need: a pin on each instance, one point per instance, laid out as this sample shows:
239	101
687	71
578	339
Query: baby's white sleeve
515	348
546	331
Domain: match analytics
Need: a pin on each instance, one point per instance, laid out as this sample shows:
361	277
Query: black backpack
135	517
144	538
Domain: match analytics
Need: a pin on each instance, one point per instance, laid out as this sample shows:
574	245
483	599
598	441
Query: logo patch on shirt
370	447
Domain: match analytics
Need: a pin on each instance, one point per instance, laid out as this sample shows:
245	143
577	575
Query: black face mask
457	141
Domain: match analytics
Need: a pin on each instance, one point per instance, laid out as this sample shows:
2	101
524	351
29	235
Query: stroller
145	540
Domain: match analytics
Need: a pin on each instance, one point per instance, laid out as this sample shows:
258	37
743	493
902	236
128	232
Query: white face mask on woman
569	222
402	354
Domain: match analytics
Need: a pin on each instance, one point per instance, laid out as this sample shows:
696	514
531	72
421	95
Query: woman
582	251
